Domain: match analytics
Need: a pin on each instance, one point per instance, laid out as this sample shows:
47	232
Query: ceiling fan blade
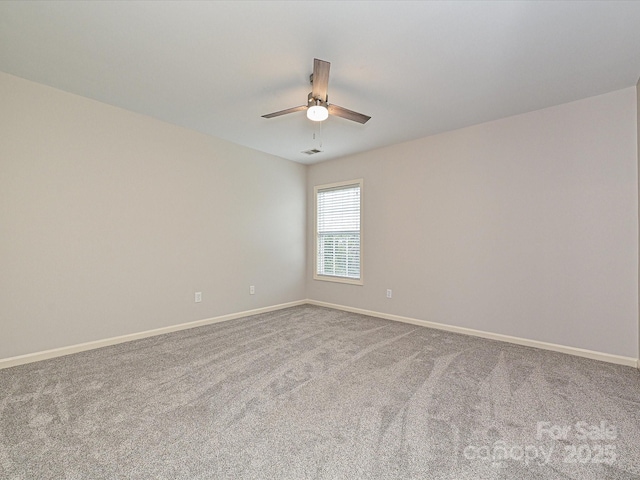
320	79
348	114
284	112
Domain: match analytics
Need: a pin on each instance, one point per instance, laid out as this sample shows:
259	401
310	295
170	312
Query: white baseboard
59	352
605	357
81	347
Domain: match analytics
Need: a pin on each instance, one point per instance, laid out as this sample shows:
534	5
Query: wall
110	221
525	226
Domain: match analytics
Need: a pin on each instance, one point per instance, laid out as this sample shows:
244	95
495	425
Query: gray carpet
310	392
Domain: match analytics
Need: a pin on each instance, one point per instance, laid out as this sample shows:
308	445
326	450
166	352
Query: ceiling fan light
317	113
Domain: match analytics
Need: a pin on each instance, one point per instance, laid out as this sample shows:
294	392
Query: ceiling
417	68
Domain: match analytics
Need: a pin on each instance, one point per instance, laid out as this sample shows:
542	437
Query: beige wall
525	226
110	221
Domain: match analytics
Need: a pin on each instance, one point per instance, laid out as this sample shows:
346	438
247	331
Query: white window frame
332	278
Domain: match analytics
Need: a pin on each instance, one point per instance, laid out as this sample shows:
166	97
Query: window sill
329	278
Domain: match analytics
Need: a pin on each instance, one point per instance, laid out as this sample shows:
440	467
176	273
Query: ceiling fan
318	107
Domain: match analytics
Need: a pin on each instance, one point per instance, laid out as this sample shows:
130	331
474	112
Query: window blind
338	231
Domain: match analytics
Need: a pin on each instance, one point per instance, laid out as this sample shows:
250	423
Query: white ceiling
417	68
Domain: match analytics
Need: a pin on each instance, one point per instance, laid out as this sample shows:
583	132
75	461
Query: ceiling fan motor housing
316	101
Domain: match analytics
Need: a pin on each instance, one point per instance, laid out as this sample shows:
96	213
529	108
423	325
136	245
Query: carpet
315	393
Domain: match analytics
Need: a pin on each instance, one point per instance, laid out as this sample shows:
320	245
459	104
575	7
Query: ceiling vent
313	151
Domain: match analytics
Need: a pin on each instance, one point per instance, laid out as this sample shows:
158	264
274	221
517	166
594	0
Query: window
338	249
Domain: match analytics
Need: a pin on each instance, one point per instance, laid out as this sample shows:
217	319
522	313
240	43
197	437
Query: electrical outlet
389	293
252	290
198	297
